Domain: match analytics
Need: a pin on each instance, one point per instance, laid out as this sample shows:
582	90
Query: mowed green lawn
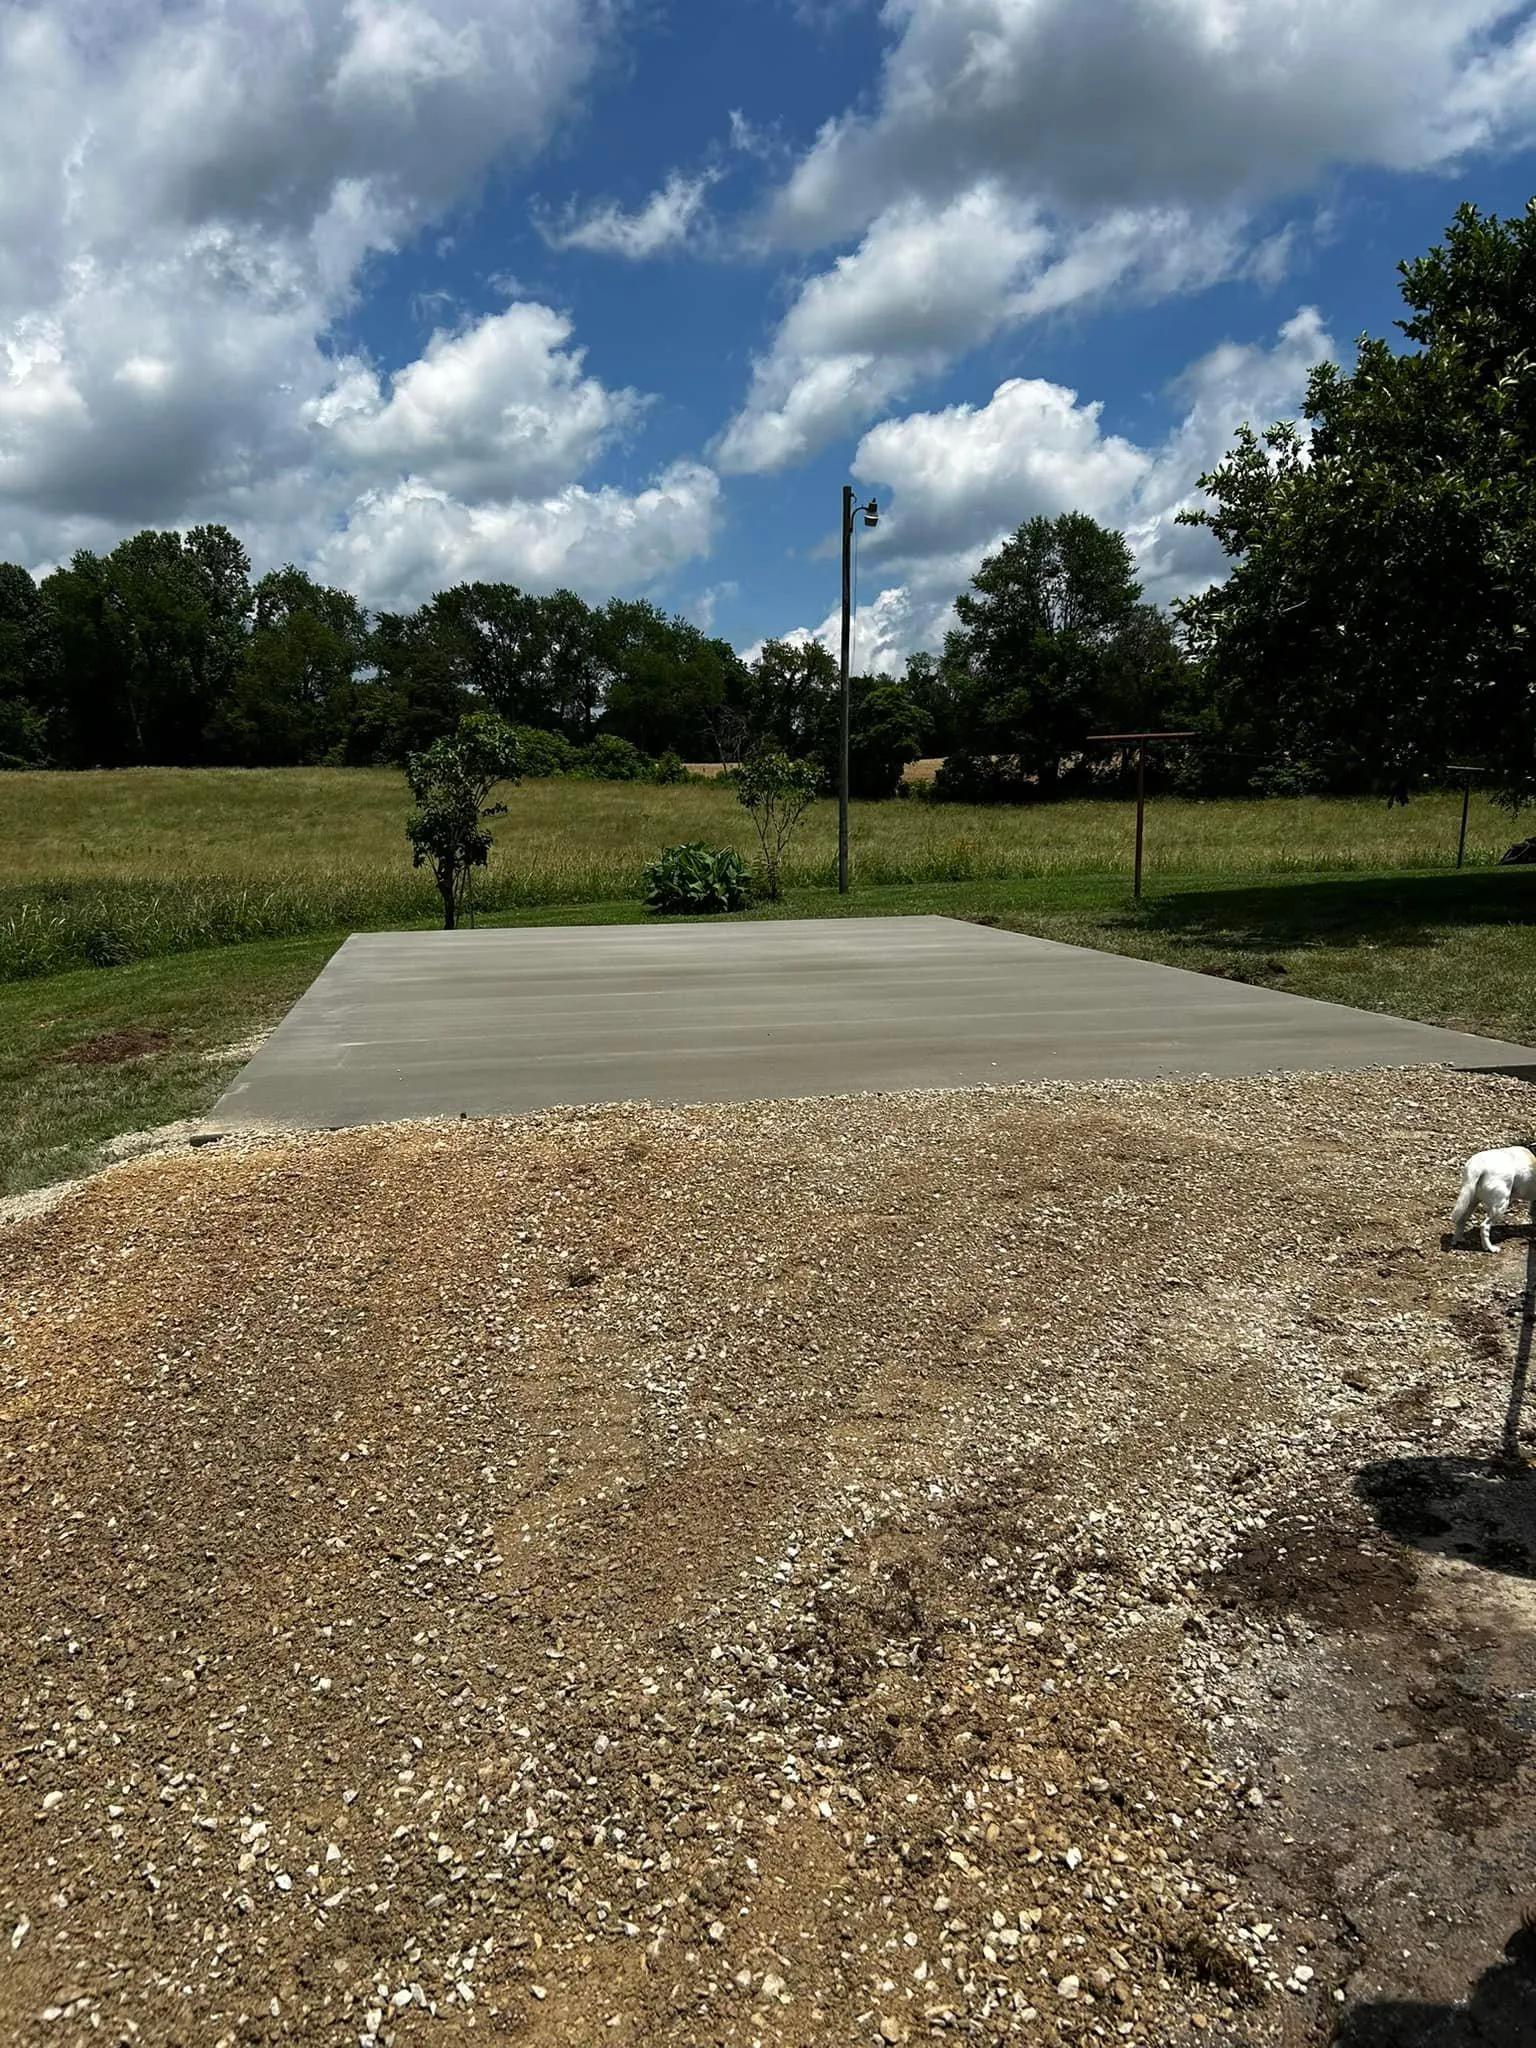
219	895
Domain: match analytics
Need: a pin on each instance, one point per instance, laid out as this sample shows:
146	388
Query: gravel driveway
1016	1564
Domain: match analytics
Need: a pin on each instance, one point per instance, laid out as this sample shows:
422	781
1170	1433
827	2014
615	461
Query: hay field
102	868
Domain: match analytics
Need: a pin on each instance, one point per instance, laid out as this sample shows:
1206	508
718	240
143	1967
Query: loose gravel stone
748	1574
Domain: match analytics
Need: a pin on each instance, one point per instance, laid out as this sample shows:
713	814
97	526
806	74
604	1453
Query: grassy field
102	869
59	1104
215	898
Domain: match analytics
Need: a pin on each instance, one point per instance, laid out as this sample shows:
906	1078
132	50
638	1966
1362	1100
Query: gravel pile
738	1575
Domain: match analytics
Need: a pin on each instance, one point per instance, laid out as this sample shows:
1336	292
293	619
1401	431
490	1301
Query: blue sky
617	293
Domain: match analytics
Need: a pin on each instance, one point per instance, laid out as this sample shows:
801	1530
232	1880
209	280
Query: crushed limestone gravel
730	1575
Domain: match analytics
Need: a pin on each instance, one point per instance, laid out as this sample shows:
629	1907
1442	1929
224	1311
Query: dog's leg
1495	1209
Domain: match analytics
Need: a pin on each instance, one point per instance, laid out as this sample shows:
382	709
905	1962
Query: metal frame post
1120	739
1141	812
1467	770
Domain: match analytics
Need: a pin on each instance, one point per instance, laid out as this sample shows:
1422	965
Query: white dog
1491	1181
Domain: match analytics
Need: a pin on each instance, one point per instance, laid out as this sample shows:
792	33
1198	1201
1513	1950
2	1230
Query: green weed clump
696	880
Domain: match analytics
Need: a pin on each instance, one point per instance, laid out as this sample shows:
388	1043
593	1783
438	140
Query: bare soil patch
933	1567
113	1047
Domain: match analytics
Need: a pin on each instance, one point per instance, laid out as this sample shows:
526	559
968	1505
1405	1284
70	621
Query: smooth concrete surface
412	1024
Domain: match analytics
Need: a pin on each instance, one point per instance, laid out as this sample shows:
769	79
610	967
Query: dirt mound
734	1575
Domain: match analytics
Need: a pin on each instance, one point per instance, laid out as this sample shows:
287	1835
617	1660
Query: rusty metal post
1140	739
1468	771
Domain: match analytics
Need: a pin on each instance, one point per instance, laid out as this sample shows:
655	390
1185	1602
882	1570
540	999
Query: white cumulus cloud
403	543
963	478
667	220
188	198
500	409
1183	102
926	284
1023	157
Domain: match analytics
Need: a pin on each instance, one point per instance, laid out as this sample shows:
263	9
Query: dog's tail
1466	1201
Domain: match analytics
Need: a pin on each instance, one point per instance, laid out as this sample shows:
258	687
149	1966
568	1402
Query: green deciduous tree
420	693
451	782
666	681
529	660
295	696
1042	647
148	640
939	695
23	670
789	692
533	660
487	638
1381	610
565	651
887	728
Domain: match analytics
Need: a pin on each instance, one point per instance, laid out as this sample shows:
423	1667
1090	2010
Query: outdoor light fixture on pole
871	513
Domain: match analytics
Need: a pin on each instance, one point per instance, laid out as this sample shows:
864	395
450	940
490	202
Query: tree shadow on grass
1343	910
1501	2012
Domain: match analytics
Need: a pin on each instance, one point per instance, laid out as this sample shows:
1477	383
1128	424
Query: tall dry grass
103	868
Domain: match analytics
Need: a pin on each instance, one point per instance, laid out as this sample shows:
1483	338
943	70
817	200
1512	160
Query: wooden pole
842	759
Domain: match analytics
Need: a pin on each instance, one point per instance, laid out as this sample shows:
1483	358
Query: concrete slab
411	1024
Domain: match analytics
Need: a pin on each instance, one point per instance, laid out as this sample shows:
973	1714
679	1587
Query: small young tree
776	792
451	781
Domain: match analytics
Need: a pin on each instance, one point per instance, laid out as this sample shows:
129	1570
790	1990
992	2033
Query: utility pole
871	517
843	711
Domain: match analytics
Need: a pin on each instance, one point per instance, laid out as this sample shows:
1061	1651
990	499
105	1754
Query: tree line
165	652
1376	622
